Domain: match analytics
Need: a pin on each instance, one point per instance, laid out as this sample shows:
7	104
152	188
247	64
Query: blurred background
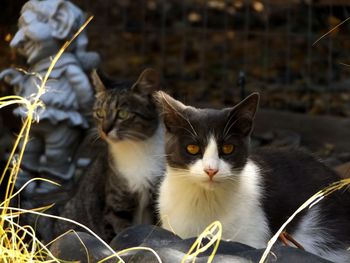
203	47
200	47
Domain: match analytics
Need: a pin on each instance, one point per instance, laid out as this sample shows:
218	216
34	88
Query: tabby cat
118	189
212	175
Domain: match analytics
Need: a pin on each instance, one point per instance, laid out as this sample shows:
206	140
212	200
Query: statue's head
43	27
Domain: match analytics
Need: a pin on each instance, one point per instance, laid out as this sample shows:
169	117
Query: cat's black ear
97	82
147	83
171	110
241	117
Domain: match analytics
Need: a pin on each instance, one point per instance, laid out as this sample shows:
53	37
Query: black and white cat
211	175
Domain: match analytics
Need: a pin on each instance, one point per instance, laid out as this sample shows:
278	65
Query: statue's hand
11	76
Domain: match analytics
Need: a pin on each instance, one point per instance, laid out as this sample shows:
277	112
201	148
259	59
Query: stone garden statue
43	28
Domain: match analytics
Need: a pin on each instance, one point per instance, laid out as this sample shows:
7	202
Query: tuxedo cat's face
126	112
206	146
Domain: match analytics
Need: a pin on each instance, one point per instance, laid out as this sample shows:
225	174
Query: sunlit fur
252	193
210	160
135	141
190	200
315	237
139	161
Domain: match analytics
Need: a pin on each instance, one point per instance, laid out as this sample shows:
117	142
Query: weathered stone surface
315	131
145	235
170	248
282	254
80	247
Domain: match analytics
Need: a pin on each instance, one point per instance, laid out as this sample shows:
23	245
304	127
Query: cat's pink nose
211	172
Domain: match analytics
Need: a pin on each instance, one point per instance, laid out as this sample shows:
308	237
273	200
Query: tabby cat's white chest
139	162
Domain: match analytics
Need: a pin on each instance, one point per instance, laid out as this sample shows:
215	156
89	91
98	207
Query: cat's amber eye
122	114
193	149
228	148
100	113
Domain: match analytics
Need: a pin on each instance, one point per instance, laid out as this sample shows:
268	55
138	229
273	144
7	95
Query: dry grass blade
24	186
330	31
309	203
64	219
344	64
214	233
12	246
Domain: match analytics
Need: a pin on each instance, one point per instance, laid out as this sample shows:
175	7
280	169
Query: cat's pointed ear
97	82
241	117
147	83
171	110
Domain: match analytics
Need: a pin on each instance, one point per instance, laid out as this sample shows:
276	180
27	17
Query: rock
282	254
344	157
145	235
170	255
70	248
170	248
315	131
280	138
167	255
331	161
225	247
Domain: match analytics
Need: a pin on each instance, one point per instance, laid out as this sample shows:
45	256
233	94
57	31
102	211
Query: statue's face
34	38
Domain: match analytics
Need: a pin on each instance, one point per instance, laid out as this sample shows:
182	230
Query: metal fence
201	46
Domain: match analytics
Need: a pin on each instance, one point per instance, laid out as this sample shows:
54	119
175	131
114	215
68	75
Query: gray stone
171	248
81	247
315	131
145	235
282	254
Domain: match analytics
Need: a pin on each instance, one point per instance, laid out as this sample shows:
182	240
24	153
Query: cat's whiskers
129	138
185	173
233	172
227	123
194	134
160	155
230	127
180	169
201	178
181	173
93	135
133	135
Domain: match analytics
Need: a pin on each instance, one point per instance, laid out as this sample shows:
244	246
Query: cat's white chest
139	162
188	209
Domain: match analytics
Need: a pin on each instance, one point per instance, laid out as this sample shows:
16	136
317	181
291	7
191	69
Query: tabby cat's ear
171	110
147	83
97	82
241	117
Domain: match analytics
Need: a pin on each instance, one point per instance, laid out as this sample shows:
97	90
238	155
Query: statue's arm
81	86
13	77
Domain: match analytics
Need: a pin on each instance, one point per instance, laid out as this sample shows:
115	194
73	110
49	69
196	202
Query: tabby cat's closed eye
100	113
119	188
